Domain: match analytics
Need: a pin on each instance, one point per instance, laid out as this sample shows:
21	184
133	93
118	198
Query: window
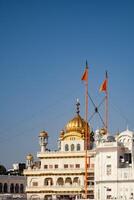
127	158
90	183
78	147
72	138
55	166
108	189
91	174
66	166
50	166
66	147
48	181
88	165
45	166
92	165
77	165
108	156
71	166
108	170
60	181
108	196
35	184
72	147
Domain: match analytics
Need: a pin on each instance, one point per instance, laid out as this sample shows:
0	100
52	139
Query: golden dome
43	134
77	124
29	157
75	129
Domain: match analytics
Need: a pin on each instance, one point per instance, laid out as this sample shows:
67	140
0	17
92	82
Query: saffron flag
103	87
85	74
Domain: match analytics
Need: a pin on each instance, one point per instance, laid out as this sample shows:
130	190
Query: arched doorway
5	188
21	188
17	188
1	188
12	188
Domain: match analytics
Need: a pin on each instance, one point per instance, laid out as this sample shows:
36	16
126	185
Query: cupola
76	127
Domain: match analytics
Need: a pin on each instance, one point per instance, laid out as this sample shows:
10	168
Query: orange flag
103	87
85	74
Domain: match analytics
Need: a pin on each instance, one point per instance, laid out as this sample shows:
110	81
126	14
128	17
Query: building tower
29	159
43	140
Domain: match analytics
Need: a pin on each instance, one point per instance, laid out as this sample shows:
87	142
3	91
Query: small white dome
126	132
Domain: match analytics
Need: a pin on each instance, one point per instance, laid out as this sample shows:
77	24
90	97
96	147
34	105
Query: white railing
55	171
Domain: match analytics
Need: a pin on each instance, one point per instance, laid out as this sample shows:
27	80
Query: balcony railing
63	153
57	188
38	171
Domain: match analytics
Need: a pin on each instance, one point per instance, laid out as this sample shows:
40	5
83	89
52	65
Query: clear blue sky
44	45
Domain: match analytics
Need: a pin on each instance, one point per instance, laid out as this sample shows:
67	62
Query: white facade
114	167
61	173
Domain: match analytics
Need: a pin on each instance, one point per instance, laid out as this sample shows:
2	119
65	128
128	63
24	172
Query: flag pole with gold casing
104	88
85	79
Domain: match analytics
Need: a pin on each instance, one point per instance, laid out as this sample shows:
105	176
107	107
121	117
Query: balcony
58	188
63	154
52	172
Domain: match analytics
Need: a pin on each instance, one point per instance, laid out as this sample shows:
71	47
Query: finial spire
78	107
127	127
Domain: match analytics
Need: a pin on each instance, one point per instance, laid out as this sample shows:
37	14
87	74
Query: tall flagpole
106	104
86	135
104	88
85	78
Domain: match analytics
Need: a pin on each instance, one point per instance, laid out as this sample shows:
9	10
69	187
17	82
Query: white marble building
61	173
114	166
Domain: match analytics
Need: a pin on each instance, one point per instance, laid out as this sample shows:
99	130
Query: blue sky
44	45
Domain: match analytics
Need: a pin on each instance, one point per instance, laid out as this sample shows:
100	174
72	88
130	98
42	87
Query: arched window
78	147
5	188
60	181
72	147
17	188
21	188
1	187
66	147
68	181
12	188
76	181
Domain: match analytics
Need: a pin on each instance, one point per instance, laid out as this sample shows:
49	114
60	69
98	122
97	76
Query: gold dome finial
78	107
76	127
43	133
29	157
